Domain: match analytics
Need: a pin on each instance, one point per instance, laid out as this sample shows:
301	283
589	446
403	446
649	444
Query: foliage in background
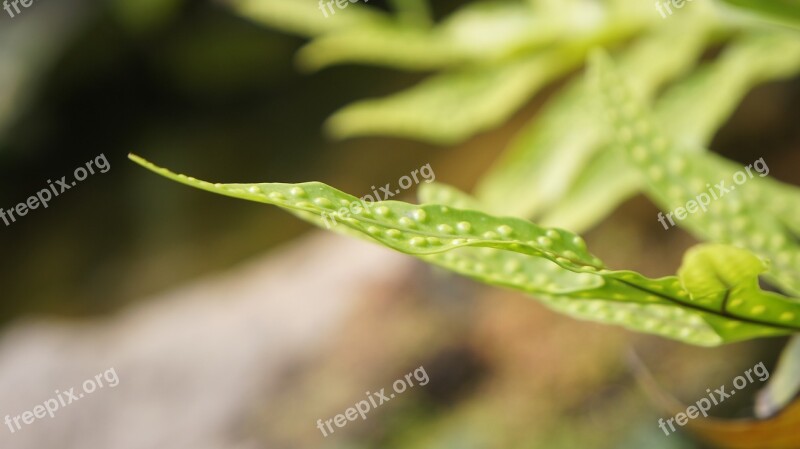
782	11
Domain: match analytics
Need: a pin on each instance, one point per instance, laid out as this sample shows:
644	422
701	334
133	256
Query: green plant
714	299
689	307
647	118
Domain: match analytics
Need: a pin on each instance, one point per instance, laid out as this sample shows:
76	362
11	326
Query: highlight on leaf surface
553	265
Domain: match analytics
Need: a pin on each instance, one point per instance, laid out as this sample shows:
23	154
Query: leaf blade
437	233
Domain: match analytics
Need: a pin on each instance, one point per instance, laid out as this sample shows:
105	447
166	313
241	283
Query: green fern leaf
552	264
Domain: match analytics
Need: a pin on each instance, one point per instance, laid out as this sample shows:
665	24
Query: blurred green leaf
457	104
305	18
452	106
595	194
693	110
413	12
446	195
480	32
676	175
386	43
690	112
544	160
784	11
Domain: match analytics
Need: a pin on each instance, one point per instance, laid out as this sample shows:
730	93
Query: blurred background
235	325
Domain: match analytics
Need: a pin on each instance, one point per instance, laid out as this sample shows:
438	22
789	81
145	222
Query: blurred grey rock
192	363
